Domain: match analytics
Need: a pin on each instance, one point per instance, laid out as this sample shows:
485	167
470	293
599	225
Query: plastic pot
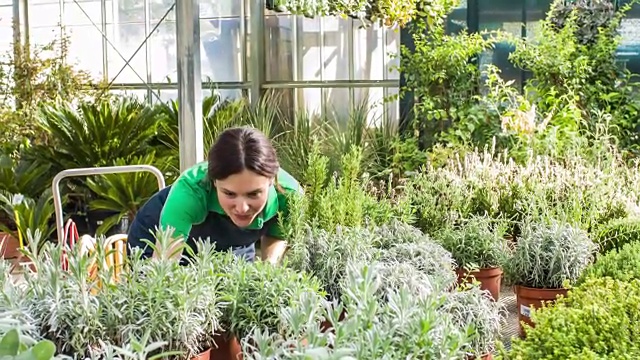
527	297
490	279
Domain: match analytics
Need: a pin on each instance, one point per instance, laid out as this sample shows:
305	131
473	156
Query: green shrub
616	233
623	264
597	320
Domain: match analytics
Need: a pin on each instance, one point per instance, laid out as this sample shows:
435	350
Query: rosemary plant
477	243
548	255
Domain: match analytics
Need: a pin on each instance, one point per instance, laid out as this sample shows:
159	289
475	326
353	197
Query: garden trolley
68	233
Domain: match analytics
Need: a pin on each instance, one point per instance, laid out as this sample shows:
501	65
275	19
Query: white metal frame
55	186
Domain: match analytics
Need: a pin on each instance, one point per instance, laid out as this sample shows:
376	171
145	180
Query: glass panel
392	61
279	47
392	107
140	94
335	47
6	17
509	19
629	48
44	35
158	9
309	49
371	100
536	10
85	49
128	11
126	38
84	12
368	52
6	38
337	101
171	94
218	8
162	47
310	100
44	13
221	49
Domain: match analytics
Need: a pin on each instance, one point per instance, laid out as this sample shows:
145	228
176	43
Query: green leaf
43	350
10	343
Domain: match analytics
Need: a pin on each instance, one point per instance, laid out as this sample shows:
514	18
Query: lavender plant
549	254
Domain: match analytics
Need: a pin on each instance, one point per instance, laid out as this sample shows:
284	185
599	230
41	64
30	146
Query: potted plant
82	308
18	176
396	328
472	308
28	215
257	292
480	248
549	257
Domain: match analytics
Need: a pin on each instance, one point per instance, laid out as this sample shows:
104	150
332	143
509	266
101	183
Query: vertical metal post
20	22
103	26
189	83
147	47
257	54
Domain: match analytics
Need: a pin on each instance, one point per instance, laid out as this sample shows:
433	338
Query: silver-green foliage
258	291
548	254
473	309
157	298
403	326
326	254
475	243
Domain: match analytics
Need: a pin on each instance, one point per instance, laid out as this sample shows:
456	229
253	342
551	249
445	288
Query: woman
233	199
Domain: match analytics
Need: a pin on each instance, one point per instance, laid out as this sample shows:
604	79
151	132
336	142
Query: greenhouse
298	179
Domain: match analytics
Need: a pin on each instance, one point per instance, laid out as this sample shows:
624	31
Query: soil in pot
527	297
489	278
226	348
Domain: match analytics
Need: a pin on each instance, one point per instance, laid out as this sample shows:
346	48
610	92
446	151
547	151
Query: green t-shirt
193	197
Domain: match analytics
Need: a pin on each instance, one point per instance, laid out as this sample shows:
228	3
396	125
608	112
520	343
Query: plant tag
525	311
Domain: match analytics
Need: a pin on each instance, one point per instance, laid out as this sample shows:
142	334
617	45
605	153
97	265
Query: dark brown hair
242	148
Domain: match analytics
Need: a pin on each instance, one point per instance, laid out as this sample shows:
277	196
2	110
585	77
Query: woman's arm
272	249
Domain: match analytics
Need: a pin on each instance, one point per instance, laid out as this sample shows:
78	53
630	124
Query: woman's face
243	196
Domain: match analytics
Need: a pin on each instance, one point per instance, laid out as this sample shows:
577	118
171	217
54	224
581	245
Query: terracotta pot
226	348
205	355
489	278
326	324
10	246
527	297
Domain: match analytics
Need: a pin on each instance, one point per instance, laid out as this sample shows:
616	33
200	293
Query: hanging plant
385	12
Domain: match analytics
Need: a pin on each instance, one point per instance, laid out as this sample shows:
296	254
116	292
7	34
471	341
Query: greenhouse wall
321	64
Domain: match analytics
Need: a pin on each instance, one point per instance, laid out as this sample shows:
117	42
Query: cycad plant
218	114
29	214
124	193
95	134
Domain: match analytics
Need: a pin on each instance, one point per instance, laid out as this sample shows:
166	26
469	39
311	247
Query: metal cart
57	197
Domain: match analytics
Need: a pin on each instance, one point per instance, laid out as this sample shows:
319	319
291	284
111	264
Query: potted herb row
549	257
479	248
